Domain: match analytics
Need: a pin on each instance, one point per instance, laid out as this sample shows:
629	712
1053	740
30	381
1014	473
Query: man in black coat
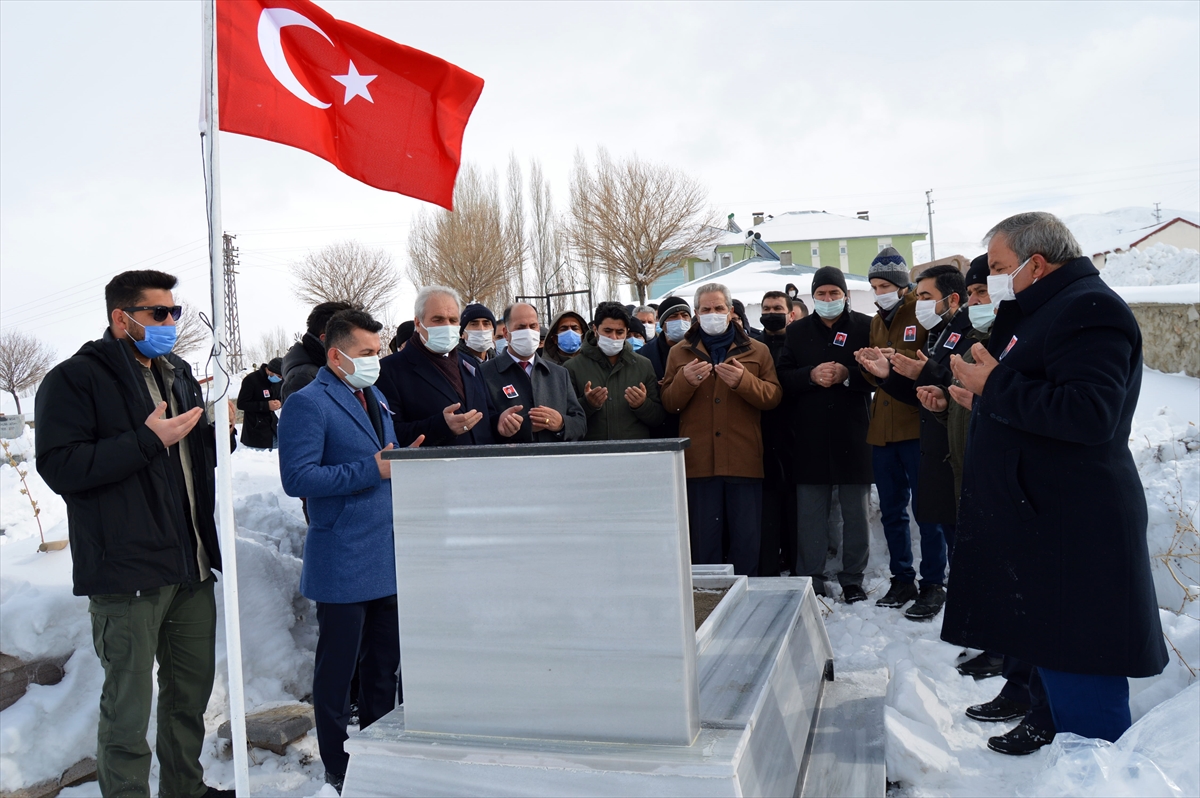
675	316
777	548
258	400
1051	564
302	361
829	417
122	437
431	388
941	293
537	396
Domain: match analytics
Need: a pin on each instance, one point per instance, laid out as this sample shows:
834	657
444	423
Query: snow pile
1159	755
1107	232
1161	264
1166	451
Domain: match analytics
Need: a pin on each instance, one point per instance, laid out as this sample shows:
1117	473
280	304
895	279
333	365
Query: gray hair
1037	233
430	291
712	288
644	309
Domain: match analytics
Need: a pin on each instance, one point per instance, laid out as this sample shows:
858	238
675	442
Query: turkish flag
383	113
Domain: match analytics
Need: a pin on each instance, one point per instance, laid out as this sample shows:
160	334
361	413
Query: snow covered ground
933	748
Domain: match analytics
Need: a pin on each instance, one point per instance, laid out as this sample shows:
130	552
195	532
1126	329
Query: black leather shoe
818	586
997	710
213	792
928	604
982	666
852	594
1021	741
900	594
336	780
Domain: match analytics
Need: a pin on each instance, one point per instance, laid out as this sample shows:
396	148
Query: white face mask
441	339
714	323
479	340
927	313
366	371
524	342
610	346
1000	286
888	301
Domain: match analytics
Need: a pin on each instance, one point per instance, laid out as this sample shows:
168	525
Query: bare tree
24	361
466	249
347	272
543	249
641	220
271	344
190	332
514	226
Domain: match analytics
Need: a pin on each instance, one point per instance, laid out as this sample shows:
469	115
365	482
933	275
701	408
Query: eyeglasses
160	311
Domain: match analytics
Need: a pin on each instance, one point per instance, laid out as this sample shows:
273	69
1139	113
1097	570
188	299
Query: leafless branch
347	272
24	361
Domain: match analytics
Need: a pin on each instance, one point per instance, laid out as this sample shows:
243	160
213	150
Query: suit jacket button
716	434
717	400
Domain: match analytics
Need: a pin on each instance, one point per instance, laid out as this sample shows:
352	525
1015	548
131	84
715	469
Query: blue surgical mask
501	346
982	316
636	343
568	341
159	340
274	378
677	328
366	371
658	328
829	310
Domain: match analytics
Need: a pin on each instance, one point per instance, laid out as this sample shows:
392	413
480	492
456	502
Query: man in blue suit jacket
431	387
331	437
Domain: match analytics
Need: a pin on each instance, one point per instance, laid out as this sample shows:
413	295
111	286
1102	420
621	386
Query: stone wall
1170	336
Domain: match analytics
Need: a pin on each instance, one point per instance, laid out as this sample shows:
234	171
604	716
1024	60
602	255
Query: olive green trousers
177	626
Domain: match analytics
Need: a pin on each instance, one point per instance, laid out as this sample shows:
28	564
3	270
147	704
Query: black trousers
1024	685
720	504
777	550
367	635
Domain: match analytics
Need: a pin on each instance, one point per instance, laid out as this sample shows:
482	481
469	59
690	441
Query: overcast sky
1072	107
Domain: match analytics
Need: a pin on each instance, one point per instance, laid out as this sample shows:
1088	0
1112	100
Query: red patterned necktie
362	400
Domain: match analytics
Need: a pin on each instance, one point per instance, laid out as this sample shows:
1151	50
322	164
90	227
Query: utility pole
929	207
233	329
1157	213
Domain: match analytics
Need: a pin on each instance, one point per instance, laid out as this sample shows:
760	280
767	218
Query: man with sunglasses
122	436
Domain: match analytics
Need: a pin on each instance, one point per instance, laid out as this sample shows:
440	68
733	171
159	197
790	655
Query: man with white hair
431	387
719	380
1052	508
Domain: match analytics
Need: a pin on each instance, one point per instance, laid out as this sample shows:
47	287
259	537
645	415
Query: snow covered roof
820	226
1120	229
749	279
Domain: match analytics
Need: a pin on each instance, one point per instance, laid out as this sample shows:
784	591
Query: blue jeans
1087	704
896	466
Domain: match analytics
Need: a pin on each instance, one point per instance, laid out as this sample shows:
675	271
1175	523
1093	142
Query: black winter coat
829	425
778	443
301	364
1050	563
417	393
657	352
125	512
259	421
937	502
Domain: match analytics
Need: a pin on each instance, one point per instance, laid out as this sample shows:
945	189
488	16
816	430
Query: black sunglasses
160	311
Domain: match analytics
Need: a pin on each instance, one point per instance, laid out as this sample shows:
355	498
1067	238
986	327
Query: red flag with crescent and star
383	113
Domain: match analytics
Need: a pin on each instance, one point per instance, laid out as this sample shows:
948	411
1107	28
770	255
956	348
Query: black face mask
773	322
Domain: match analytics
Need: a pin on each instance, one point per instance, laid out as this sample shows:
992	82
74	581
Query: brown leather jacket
723	422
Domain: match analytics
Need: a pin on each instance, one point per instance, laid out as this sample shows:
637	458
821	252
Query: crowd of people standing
996	404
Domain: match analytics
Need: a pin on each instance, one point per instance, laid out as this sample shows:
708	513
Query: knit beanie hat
889	265
275	366
665	306
829	275
978	272
472	312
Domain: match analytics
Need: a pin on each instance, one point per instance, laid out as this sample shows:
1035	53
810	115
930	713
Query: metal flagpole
225	522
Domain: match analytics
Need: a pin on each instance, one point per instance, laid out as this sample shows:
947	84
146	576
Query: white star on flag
356	84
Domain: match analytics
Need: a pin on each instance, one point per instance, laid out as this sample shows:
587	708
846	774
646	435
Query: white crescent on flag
270	23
